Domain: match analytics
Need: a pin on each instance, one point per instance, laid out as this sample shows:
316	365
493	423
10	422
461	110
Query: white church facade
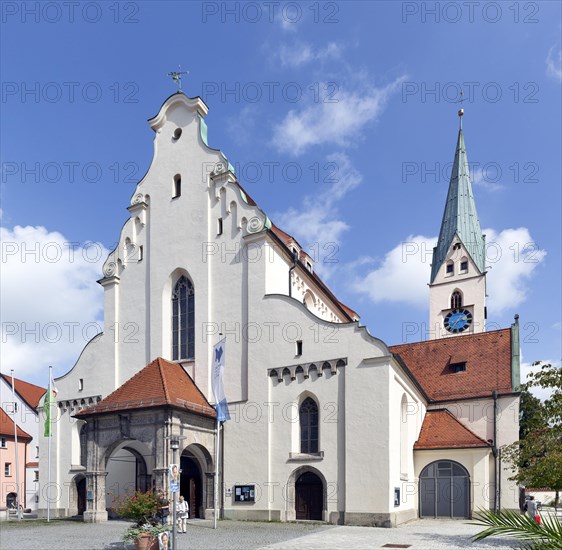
328	422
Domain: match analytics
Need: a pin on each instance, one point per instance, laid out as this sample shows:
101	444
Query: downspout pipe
496	454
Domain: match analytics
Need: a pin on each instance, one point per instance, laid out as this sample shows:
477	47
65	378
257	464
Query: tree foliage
546	536
536	458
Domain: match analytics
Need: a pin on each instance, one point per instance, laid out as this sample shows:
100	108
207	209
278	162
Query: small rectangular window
36	499
219	226
36	478
464	266
7	469
36	451
450	268
141	253
458	367
80	384
309	266
177	187
299	347
3	442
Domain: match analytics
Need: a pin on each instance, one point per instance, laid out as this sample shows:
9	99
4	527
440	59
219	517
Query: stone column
95	497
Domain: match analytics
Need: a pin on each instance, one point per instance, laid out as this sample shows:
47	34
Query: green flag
49	402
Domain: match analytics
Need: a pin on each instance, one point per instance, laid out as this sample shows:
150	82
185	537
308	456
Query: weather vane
461	110
176	76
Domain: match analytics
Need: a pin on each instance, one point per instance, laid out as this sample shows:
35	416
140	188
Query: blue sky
340	118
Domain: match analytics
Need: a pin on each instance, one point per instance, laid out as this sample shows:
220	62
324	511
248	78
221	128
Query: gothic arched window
308	414
456	300
183	320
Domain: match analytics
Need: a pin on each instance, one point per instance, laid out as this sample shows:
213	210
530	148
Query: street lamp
174	445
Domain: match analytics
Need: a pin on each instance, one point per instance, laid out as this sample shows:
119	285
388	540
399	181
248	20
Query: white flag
217	381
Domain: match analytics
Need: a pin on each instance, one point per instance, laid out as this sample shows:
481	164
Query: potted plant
143	509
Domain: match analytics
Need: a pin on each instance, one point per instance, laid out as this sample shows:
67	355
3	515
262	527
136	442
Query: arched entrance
11	500
126	468
309	496
196	479
191	485
80	495
444	490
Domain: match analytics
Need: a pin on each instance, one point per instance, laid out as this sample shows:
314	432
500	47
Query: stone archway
77	495
306	495
127	470
196	483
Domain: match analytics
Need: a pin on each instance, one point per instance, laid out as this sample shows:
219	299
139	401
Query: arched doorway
80	495
11	500
191	485
309	497
444	490
126	467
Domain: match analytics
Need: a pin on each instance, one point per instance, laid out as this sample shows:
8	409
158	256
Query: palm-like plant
546	536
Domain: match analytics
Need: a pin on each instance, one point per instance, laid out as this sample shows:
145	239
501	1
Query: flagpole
221	406
47	494
217	443
14	412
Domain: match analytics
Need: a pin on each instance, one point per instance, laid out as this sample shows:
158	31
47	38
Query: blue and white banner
217	381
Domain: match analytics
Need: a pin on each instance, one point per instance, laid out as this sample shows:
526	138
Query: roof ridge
456	337
161	365
462	425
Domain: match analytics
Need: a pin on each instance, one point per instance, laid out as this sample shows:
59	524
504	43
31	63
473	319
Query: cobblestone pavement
421	535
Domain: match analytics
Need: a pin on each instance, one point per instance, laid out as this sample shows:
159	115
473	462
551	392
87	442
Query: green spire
460	217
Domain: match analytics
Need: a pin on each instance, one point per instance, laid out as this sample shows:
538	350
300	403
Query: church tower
457	289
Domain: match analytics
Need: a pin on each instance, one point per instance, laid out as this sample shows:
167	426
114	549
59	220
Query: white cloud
512	257
300	53
51	303
486	180
317	224
554	63
403	274
339	121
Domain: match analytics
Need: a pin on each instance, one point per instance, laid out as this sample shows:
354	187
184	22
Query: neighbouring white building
328	422
21	409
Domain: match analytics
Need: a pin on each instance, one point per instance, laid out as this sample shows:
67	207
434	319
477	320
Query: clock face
458	320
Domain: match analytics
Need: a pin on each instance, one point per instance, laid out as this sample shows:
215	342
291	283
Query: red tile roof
30	393
7	427
488	364
160	383
441	430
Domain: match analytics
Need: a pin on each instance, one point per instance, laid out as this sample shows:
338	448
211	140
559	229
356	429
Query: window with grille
308	414
183	320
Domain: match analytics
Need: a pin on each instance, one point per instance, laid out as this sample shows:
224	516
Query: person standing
183	514
531	507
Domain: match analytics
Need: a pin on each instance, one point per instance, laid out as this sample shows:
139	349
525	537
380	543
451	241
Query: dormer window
177	187
458	367
450	268
309	266
464	265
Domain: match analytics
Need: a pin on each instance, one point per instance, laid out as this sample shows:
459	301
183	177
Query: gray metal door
444	490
